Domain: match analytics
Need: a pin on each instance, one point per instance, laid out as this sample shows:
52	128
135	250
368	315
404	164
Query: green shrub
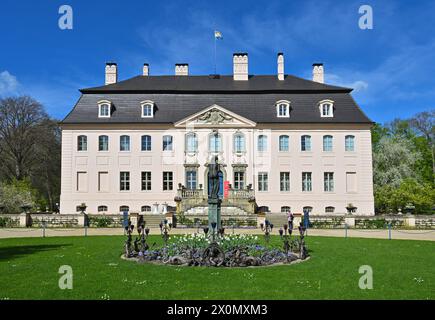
100	222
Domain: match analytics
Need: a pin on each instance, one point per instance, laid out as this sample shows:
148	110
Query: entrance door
221	185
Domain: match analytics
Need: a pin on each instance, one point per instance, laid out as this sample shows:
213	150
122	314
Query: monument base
214	213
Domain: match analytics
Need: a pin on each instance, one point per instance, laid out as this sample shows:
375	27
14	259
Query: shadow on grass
13	252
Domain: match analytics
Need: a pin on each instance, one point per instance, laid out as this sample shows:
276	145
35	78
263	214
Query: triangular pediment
216	116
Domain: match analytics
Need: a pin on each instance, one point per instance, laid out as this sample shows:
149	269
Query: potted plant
351	208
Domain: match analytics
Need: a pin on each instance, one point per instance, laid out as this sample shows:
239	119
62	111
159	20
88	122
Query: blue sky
391	67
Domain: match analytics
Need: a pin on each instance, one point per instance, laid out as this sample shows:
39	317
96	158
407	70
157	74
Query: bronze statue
213	173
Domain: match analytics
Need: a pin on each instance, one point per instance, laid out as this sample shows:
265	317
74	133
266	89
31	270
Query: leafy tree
17	193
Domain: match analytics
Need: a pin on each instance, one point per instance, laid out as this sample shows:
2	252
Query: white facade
93	176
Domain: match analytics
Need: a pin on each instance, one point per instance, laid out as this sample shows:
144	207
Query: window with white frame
124	143
147	109
191	142
285	209
82	143
349	143
167	143
239	142
146	143
263	183
239	180
124	208
124	181
103	143
329	209
104	108
145	209
168	182
327	143
215	142
328	181
326	108
262	143
102	208
284	178
307	184
306	143
283	109
146	180
284	143
191	179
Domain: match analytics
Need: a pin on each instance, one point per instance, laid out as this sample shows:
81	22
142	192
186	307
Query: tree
15	194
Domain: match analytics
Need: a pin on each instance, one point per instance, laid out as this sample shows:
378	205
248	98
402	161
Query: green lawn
401	270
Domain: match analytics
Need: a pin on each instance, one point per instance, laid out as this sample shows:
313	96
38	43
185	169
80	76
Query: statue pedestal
214	212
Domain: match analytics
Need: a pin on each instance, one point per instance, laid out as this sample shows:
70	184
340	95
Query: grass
401	270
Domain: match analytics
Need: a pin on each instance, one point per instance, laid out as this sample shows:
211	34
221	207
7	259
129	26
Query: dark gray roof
220	84
258	107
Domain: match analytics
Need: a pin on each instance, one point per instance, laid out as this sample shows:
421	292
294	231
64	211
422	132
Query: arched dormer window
147	109
191	142
283	109
326	108
239	142
104	109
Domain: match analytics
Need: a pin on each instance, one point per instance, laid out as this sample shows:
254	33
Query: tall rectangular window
262	143
191	179
263	181
239	180
328	181
351	185
306	143
349	143
167	180
167	143
146	143
306	181
284	178
103	181
124	143
283	143
103	143
82	143
82	181
327	143
146	180
124	181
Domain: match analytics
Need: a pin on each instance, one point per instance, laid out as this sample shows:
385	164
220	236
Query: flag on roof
218	35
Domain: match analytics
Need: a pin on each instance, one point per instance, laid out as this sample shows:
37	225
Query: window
239	180
326	108
309	209
191	142
283	143
327	143
306	181
215	142
167	181
102	208
328	181
124	181
306	143
146	143
146	180
82	181
349	144
104	109
283	109
124	208
239	142
262	143
124	143
145	209
284	178
82	143
147	109
351	185
329	210
167	143
103	181
103	143
285	209
191	179
262	181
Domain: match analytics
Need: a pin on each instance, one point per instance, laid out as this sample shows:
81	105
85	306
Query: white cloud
8	83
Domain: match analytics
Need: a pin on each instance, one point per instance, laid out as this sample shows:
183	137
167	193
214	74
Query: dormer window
283	109
326	108
147	109
104	108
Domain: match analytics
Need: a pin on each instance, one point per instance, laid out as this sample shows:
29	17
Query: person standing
290	218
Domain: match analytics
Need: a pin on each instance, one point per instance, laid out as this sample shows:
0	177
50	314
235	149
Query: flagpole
214	35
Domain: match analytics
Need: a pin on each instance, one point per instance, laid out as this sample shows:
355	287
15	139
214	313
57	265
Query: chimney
181	69
318	75
146	69
111	73
240	66
280	62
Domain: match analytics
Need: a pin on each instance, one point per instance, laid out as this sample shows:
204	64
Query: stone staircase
153	220
225	211
277	219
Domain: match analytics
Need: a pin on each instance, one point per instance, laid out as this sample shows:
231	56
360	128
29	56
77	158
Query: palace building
143	144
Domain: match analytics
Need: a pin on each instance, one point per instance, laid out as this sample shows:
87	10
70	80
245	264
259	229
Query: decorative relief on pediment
214	116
